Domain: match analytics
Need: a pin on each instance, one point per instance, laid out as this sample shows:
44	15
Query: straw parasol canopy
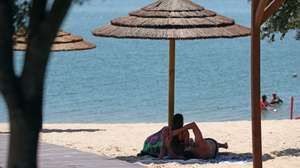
63	42
172	20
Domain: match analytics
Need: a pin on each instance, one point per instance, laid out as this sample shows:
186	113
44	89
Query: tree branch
8	80
39	47
271	9
6	42
259	14
37	15
57	14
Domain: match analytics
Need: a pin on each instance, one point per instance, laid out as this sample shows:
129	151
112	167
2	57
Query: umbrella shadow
223	157
70	130
295	152
4	132
64	130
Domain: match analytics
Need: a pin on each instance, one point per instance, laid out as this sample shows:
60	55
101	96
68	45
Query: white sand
281	140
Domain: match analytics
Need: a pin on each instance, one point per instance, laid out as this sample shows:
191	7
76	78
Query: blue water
127	80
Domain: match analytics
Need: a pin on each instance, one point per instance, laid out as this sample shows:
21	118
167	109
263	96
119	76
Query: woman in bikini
163	143
176	144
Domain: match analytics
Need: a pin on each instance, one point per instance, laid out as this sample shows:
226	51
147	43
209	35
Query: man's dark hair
177	121
176	145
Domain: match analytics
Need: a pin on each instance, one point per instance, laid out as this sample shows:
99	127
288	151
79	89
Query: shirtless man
276	99
201	148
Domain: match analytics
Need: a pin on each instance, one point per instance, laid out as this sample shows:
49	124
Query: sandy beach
281	141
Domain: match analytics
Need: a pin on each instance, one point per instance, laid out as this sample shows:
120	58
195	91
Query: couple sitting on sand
176	143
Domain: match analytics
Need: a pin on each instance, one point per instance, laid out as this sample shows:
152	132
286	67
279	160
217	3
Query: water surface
127	80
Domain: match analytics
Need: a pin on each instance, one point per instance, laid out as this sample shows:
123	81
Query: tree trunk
25	124
24	95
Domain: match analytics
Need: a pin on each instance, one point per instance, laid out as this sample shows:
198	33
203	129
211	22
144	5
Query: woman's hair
264	97
177	121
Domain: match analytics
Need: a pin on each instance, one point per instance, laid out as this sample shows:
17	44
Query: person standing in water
264	102
276	99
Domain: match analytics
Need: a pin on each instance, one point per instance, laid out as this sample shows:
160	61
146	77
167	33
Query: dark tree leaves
287	18
21	14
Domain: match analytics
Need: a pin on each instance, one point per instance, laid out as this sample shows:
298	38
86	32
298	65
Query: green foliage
285	19
22	11
21	15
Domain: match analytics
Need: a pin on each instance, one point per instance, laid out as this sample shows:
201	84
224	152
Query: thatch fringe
172	14
82	45
172	23
165	34
63	42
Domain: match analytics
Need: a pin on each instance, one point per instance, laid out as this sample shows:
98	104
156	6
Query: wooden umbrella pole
255	88
171	81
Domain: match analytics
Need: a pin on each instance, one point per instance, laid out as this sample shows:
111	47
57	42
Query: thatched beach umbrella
63	42
172	20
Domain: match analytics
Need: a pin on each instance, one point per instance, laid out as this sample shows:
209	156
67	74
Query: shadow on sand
70	130
65	130
223	157
227	157
287	152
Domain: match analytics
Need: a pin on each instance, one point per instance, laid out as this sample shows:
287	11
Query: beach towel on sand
152	145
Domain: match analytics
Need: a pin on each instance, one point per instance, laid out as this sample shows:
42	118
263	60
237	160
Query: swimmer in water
276	99
264	102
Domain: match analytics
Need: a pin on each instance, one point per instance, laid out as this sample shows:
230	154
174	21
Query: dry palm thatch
63	42
172	19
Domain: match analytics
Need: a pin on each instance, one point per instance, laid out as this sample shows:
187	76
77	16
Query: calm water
127	80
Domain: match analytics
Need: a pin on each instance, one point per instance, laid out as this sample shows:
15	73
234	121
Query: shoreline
164	123
280	140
